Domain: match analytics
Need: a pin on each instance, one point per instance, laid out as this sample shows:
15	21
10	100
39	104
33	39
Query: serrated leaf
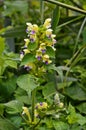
81	119
49	89
7	125
11	63
13	107
82	107
32	46
76	92
59	125
27	82
17	120
50	52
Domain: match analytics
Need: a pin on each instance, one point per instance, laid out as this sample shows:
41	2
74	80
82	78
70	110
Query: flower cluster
39	40
40	107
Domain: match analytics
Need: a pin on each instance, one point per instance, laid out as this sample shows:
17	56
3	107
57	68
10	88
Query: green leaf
17	120
32	46
8	87
55	19
49	89
28	58
76	92
24	99
2	45
81	119
59	125
11	63
82	107
75	127
27	82
13	107
50	52
7	125
72	117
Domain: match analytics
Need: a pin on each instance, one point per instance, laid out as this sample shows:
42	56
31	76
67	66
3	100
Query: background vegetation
69	25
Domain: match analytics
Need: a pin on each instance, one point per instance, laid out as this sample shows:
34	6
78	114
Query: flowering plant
37	58
38	47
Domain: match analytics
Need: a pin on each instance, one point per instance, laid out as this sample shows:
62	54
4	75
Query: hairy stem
33	103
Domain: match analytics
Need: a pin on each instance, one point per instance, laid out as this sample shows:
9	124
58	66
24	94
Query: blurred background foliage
70	30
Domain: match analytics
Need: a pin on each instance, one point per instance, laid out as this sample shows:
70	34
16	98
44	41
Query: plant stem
66	6
33	103
42	10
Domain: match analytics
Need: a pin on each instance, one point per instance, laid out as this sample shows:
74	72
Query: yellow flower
25	110
32	37
39	54
26	51
53	36
46	59
49	33
41	106
26	42
36	114
21	55
29	27
35	28
42	47
47	23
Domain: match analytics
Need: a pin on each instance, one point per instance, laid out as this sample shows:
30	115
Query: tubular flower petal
26	51
46	59
39	54
47	23
35	28
49	33
29	66
25	110
43	47
26	42
36	114
29	27
21	55
32	38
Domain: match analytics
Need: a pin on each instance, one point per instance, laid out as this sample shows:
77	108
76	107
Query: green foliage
27	82
48	96
28	58
7	124
55	19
